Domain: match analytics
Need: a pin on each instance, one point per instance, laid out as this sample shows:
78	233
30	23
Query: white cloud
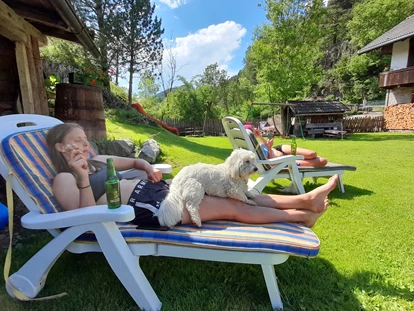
173	4
214	44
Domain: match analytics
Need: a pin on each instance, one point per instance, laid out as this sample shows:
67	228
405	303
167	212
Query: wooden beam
40	89
45	17
24	78
15	28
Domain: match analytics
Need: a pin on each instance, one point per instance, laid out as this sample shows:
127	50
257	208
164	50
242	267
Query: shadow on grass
351	192
184	284
375	283
315	284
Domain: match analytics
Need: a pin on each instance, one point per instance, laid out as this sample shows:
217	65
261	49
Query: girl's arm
71	194
122	163
259	136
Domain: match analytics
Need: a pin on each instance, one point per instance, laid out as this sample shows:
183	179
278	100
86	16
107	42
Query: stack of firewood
399	117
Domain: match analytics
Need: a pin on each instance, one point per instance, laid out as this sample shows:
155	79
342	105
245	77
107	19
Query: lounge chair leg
31	277
341	184
272	288
125	265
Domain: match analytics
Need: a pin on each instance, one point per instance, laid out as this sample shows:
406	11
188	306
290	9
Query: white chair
242	138
268	168
26	165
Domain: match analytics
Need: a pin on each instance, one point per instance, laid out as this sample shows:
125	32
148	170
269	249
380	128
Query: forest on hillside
305	50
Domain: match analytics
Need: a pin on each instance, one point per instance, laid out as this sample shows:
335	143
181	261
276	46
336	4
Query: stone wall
399	117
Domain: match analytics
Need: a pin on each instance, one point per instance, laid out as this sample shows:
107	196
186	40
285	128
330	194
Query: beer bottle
113	191
293	146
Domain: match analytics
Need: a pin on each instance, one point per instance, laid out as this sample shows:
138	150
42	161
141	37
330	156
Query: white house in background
399	80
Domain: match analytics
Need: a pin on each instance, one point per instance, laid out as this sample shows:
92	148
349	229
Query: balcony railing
394	78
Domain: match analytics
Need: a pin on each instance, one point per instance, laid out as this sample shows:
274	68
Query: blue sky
204	32
209	31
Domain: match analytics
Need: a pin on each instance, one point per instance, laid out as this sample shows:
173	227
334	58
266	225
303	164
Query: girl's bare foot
317	200
312	218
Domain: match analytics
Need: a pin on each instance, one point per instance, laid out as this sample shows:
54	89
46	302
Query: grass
367	246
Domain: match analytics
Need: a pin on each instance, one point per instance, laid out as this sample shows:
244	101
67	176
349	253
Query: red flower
93	82
89	69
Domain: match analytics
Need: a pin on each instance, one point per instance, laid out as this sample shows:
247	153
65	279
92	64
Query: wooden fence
213	127
354	124
364	124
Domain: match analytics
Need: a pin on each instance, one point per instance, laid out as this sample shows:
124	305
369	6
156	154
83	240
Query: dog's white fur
187	189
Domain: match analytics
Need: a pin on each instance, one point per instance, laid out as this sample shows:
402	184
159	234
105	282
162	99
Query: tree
103	17
372	18
286	52
356	76
212	84
168	74
147	93
184	103
142	38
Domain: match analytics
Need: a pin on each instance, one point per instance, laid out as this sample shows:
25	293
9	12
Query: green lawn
367	245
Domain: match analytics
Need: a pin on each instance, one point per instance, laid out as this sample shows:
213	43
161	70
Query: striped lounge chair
25	163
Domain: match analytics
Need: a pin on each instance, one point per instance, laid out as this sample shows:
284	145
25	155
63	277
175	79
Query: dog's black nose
255	169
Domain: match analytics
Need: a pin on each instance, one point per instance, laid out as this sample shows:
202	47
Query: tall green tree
286	51
142	38
103	17
212	84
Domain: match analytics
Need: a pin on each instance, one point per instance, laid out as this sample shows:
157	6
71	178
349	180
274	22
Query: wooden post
24	78
36	76
33	78
41	91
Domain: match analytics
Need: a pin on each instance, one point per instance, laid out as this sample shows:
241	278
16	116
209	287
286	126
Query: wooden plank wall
30	83
9	80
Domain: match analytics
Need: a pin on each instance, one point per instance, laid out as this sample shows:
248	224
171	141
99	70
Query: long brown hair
56	135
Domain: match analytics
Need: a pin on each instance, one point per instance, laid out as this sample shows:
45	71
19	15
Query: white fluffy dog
187	189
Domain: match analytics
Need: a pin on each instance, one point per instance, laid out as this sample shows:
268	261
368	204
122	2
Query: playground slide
139	108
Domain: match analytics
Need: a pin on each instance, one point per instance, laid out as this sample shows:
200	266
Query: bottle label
113	196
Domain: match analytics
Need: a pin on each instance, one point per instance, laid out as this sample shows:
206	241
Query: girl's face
75	140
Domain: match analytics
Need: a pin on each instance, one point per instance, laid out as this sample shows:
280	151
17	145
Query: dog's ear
234	164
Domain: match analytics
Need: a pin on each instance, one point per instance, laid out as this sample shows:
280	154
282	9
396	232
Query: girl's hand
256	132
154	175
269	143
78	162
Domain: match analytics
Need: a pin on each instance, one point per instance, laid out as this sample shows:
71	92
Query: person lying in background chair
310	157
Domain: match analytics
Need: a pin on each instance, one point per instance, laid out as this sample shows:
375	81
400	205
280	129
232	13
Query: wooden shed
299	115
24	27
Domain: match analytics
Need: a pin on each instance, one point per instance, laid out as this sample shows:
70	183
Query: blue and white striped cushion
27	156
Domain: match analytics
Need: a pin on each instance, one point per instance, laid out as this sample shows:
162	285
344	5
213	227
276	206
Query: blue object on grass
4	216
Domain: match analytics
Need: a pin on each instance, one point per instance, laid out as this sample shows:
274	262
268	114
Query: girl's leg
305	208
317	162
214	208
315	200
311	158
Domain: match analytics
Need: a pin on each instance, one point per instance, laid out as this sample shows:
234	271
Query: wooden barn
24	27
312	117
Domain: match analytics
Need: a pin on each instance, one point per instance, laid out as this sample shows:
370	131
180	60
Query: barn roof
55	18
317	107
402	31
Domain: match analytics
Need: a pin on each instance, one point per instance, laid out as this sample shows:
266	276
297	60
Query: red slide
174	130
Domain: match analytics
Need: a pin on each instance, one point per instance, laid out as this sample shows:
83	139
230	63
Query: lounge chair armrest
286	158
81	216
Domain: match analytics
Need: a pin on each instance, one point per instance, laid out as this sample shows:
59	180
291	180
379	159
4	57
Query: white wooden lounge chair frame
121	256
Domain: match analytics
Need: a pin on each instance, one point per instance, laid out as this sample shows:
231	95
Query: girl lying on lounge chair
79	183
311	158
